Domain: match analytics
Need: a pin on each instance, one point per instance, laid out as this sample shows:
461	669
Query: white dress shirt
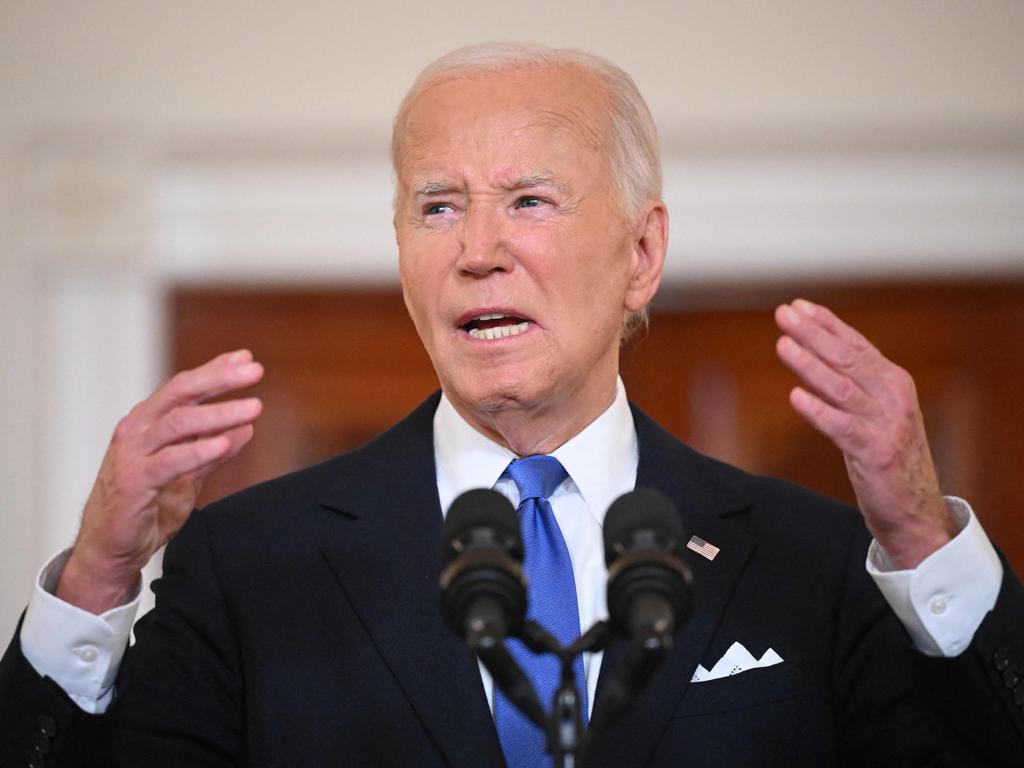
601	464
941	603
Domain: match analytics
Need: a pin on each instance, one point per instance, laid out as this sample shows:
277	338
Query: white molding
746	217
840	216
274	222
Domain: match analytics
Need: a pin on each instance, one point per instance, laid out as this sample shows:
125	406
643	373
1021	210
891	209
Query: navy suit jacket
297	624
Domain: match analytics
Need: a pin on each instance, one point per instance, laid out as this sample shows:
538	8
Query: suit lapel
705	499
384	551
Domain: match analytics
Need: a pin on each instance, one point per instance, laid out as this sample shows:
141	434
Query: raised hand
152	473
868	407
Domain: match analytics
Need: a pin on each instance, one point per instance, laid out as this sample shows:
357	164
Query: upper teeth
490	317
499	332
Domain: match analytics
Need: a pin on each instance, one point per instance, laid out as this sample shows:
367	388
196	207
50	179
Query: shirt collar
601	460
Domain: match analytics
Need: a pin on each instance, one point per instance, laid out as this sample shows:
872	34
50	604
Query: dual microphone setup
483	601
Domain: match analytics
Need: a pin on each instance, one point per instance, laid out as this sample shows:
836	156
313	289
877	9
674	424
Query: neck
532	428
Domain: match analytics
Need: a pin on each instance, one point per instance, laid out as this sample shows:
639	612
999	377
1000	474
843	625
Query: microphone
483	590
650	594
650	588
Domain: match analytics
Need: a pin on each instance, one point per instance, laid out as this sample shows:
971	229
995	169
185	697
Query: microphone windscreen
480	508
644	510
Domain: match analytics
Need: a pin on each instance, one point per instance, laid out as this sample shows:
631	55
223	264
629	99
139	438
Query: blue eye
436	209
528	201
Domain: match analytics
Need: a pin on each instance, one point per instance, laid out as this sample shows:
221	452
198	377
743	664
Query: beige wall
710	68
96	95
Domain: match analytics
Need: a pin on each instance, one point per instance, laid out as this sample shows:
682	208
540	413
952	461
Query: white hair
635	158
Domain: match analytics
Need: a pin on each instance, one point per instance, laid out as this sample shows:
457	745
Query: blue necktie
551	602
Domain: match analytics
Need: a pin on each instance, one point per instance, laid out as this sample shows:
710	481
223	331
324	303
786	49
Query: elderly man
296	622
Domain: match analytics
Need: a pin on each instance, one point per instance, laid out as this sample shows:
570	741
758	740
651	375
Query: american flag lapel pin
702	548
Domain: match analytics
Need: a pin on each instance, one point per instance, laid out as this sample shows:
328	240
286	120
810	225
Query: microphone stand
567	739
568	742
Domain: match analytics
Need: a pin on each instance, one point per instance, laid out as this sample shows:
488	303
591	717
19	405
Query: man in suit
297	624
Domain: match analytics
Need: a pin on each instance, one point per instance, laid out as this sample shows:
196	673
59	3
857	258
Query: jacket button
41	744
46	726
35	760
1001	658
1010	677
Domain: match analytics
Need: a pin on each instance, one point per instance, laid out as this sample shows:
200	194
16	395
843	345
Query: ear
648	258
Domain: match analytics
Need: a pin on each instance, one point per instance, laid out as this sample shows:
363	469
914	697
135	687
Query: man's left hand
868	407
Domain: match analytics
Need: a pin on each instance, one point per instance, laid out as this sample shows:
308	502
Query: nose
482	243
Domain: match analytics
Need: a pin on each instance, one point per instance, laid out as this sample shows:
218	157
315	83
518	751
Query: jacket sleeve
897	706
41	726
179	696
981	691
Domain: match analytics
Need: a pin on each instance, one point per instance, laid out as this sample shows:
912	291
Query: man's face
517	259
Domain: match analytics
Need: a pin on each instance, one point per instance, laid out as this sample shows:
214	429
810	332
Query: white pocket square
737	659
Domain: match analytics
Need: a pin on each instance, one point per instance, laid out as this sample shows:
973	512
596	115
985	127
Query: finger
239	437
828	320
173	461
851	354
823	316
844	429
227	372
190	421
876	379
836	389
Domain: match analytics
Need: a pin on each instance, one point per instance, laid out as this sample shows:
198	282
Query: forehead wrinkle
536	179
540	178
574	120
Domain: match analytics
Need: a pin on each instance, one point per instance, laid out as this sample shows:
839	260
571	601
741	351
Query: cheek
552	256
418	291
537	241
410	283
595	272
575	271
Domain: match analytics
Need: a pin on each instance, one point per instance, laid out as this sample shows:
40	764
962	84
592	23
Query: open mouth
495	326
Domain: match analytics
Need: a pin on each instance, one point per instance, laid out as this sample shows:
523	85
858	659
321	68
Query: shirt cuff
80	651
943	601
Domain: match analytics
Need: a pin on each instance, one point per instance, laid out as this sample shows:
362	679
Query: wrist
96	587
906	557
909	547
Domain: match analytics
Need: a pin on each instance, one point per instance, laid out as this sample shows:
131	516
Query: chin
496	391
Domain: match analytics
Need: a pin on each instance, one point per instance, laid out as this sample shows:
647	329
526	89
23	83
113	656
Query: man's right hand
151	475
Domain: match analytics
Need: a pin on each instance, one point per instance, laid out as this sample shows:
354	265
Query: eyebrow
427	188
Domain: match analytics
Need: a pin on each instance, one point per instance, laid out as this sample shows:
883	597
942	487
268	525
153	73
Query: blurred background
178	179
